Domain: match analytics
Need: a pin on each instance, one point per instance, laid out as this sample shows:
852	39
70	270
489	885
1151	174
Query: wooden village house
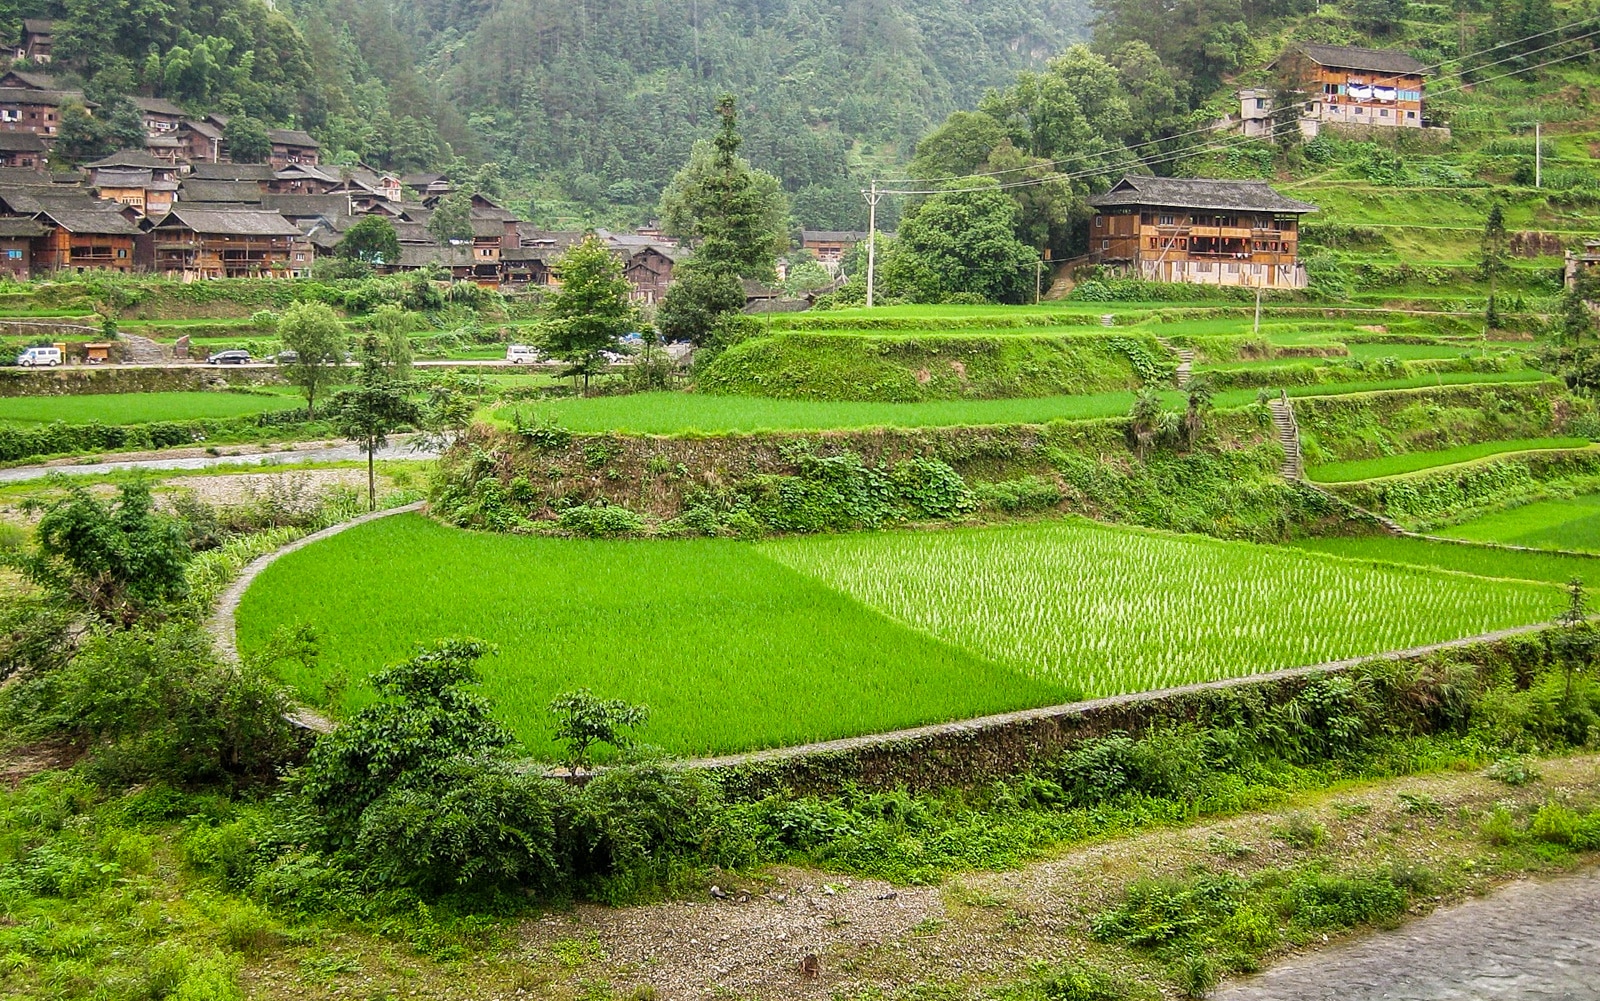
209	242
1200	231
1340	85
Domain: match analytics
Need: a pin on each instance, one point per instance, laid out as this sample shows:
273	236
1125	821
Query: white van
522	354
40	356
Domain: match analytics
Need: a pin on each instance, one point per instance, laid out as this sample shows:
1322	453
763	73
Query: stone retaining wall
74	381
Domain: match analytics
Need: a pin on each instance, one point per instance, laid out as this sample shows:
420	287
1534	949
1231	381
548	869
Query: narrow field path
394	451
1532	939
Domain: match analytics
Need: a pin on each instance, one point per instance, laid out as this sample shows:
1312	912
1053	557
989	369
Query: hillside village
965	500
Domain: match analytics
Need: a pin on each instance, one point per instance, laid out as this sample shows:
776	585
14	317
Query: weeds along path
221	625
981	930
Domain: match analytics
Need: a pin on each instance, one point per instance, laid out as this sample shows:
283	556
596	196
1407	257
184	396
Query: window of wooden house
1105	244
1099	222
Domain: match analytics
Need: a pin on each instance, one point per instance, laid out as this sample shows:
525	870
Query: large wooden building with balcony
194	243
1202	231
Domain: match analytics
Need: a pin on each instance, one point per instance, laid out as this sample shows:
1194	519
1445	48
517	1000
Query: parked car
286	357
34	357
522	354
236	356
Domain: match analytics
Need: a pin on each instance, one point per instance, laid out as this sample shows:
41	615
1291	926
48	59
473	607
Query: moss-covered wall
74	381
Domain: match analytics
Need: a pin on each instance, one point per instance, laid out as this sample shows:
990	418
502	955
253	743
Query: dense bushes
1456	494
1369	425
19	442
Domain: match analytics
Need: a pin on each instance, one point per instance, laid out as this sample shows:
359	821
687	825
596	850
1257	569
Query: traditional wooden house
197	191
259	174
1197	230
137	179
649	271
28	80
304	179
17	237
161	116
83	234
292	146
1347	85
830	245
38	39
22	149
428	185
24	109
202	142
194	243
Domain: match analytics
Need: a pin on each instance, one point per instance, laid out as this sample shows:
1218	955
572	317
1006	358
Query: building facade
1344	85
1200	231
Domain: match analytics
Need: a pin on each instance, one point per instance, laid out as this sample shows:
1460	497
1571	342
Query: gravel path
1533	939
321	453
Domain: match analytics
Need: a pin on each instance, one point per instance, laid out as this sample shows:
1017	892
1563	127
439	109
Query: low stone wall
971	752
75	381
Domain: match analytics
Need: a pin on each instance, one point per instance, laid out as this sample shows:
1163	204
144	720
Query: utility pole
872	237
1538	155
1038	280
1258	310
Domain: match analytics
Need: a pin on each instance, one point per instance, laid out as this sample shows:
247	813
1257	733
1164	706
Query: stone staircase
1288	436
138	350
1185	367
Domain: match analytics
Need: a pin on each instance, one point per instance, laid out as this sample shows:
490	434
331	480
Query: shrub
600	521
1513	771
1554	824
1030	493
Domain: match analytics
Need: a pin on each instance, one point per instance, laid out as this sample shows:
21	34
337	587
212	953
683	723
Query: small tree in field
313	332
1576	641
590	311
583	720
375	406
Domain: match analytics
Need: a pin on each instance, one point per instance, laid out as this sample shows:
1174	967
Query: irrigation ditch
934	756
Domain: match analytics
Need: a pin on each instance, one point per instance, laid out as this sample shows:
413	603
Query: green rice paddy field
1411	462
1571	524
737	645
140	408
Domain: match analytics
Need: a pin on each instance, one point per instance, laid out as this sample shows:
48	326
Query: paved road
322	453
1533	939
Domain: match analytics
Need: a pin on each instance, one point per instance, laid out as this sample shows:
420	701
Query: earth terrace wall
660	476
1439	497
92	381
970	752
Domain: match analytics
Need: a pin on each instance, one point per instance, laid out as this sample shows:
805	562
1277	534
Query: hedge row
27	442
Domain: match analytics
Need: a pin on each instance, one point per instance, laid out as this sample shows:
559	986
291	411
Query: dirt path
1532	939
322	452
792	933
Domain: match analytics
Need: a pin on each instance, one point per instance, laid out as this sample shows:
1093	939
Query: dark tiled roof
29	178
87	217
158	106
420	255
488	227
412	232
1351	57
197	189
135	158
1198	193
292	137
832	236
307	206
51	98
232	171
15	228
21	142
203	128
228	222
38	25
34	81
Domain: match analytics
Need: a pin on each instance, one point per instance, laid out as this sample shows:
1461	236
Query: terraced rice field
1411	462
737	645
1483	560
1572	524
140	408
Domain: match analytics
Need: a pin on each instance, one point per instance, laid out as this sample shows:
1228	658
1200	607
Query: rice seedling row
140	408
1113	610
1483	560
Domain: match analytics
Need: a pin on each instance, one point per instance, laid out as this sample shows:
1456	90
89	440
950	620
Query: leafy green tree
583	719
376	405
1577	319
736	218
393	326
451	221
425	717
1576	640
695	301
80	137
962	242
805	274
117	560
1378	17
957	146
122	124
1492	259
372	240
313	332
247	140
591	310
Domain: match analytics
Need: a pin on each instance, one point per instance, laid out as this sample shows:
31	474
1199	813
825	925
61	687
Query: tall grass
1118	610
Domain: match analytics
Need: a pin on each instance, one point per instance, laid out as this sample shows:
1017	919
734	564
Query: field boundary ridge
222	624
